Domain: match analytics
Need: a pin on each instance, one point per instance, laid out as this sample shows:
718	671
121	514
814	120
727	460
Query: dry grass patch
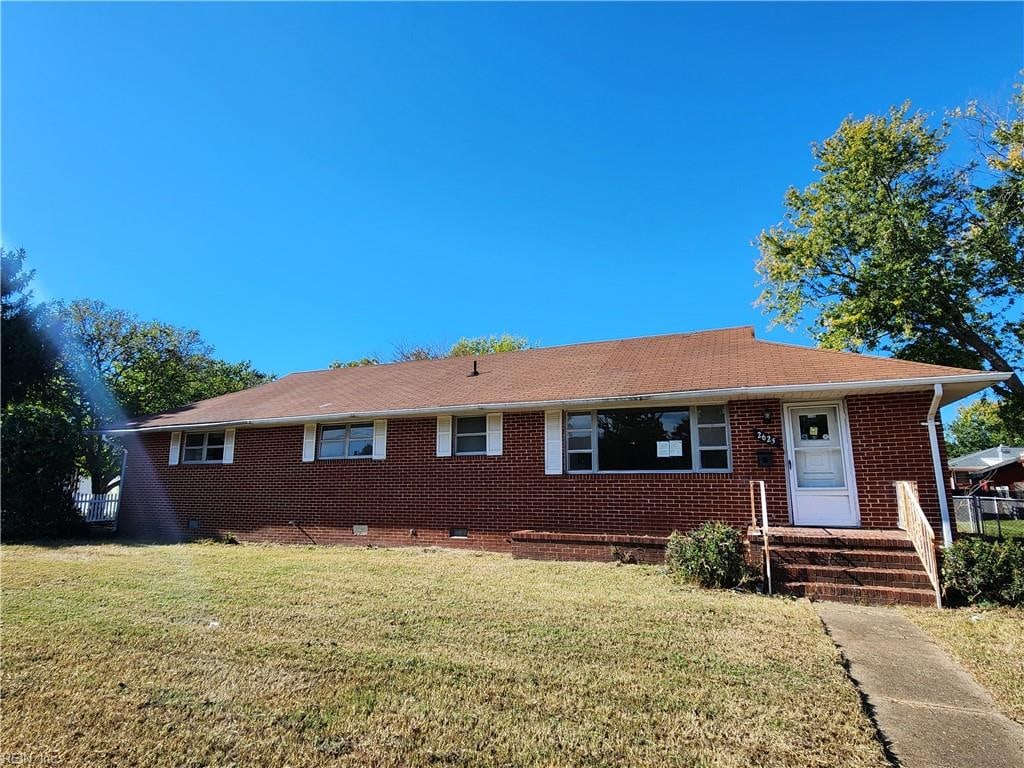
213	655
988	642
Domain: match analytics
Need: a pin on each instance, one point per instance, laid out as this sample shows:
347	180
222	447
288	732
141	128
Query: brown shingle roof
726	359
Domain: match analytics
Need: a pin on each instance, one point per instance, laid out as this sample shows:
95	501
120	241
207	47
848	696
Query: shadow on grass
93	537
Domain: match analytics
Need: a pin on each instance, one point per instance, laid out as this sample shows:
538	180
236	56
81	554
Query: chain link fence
999	517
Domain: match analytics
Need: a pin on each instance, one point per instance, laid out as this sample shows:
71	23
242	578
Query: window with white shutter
203	448
470	435
346	441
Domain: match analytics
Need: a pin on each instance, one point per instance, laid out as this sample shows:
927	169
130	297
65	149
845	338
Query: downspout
940	475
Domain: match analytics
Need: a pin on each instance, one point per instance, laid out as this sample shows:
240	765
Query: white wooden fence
98	508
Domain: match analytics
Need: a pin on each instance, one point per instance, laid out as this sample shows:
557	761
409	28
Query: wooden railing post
765	548
911	518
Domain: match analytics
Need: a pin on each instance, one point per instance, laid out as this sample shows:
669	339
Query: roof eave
967	382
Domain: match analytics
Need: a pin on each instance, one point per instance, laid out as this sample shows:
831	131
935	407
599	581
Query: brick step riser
881	545
908	560
845	593
900	580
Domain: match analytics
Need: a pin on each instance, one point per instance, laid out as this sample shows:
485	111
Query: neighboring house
988	470
564	451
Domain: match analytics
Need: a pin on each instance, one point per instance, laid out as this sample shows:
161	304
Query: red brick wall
536	545
268	485
890	444
413	497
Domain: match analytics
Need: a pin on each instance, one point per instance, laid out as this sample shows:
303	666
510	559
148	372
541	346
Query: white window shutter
309	442
494	434
444	435
175	452
552	442
380	438
229	446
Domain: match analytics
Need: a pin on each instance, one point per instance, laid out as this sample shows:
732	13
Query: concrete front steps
870	566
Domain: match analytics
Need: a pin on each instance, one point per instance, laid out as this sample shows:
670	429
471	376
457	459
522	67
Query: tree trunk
100	461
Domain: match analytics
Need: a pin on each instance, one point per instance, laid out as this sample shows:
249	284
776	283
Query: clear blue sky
310	182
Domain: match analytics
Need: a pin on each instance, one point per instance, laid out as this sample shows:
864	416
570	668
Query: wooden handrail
911	518
763	528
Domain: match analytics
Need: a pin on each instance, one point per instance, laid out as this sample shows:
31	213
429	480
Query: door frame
847	446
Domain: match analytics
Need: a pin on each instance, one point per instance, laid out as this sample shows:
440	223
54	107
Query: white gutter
658	397
940	475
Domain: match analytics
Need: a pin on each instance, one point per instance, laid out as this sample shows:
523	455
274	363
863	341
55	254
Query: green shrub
37	471
711	556
977	570
1013	564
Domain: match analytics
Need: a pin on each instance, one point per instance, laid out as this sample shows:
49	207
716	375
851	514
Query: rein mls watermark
31	757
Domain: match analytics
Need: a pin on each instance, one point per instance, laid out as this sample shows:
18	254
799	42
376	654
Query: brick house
1001	466
579	451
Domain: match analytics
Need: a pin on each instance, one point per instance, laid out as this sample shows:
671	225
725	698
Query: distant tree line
464	347
67	371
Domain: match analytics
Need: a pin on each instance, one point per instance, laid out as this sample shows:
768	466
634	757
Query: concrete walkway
931	713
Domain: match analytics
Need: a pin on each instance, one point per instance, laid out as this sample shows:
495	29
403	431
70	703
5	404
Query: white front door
820	472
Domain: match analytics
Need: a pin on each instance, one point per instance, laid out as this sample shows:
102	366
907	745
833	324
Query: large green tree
29	359
70	369
979	425
893	248
115	365
39	442
38	447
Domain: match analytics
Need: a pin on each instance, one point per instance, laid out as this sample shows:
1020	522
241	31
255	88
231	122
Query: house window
712	437
203	448
579	441
458	533
346	441
691	439
631	440
470	435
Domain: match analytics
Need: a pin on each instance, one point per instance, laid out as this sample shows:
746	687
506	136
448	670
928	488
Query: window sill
342	458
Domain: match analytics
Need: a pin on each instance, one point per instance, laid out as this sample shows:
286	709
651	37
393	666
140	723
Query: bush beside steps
711	556
976	570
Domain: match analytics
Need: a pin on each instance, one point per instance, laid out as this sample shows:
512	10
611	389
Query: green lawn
200	654
989	643
1007	528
